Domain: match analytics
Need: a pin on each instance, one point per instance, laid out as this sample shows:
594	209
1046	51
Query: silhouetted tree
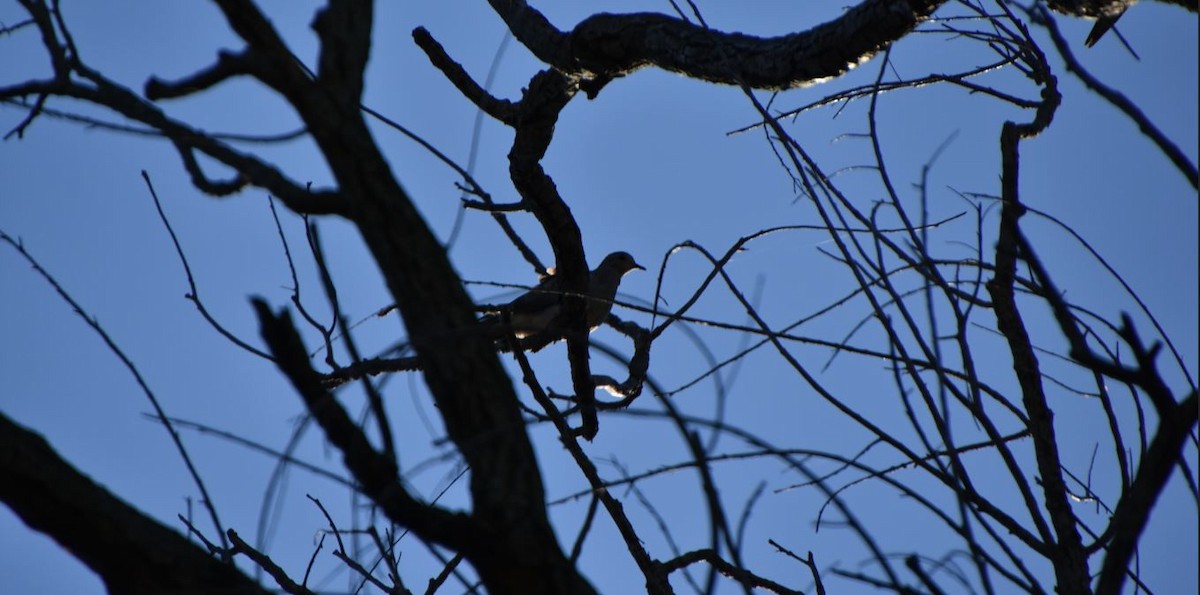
963	413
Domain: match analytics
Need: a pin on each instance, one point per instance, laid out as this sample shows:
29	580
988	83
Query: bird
1106	13
1103	23
532	313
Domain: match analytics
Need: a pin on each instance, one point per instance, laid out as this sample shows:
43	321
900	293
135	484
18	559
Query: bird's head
620	263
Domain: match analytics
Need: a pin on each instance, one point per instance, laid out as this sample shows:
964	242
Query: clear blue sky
645	166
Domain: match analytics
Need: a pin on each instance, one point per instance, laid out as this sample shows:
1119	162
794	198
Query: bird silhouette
1106	13
532	313
1103	24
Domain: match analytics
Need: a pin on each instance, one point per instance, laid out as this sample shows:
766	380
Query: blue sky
644	167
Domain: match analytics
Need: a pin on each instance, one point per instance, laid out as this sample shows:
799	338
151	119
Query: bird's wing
531	312
544	296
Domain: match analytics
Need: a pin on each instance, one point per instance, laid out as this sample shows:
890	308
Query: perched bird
535	310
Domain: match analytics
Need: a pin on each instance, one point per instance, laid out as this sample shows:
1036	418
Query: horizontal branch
228	65
741	575
616	44
253	170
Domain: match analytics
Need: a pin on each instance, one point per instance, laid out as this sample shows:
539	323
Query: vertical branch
1067	554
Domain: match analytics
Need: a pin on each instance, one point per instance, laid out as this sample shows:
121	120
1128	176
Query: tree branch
375	472
617	44
131	552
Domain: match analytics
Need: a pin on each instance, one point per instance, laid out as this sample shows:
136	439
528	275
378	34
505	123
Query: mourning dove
532	312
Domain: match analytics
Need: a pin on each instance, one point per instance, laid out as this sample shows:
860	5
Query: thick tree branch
548	93
617	44
507	535
520	552
375	472
345	30
131	552
535	32
267	57
227	66
1067	555
1133	510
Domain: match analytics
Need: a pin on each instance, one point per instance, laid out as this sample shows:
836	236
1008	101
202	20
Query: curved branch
228	65
535	32
254	170
614	45
267	57
500	109
1121	102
